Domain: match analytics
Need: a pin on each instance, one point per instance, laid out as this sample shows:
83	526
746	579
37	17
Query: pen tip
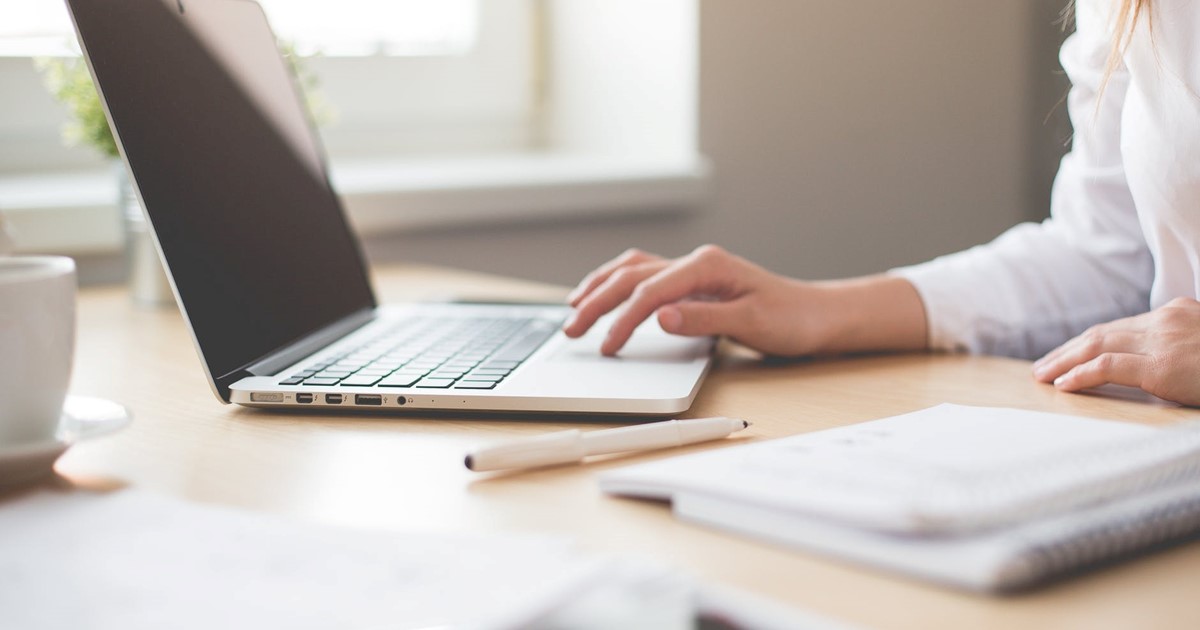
745	424
470	462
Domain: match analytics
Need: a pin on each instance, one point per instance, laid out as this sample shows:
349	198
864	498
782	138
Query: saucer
83	417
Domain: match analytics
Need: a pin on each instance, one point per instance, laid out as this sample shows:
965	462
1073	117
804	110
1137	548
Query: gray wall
845	138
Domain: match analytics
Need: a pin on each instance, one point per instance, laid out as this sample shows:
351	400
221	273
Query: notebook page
875	474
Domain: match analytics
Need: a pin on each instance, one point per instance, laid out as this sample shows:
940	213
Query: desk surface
407	473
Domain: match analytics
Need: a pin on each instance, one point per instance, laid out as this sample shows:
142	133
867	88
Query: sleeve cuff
949	324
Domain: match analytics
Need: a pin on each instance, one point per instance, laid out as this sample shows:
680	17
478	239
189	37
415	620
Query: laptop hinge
292	353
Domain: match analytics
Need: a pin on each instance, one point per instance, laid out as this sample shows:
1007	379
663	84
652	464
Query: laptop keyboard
434	353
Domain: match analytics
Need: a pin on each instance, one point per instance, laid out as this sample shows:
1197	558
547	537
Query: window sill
74	213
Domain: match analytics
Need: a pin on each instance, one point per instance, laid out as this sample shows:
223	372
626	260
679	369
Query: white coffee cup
37	344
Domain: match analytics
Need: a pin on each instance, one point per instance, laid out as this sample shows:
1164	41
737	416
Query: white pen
566	447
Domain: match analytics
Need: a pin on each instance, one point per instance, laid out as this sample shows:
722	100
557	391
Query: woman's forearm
870	313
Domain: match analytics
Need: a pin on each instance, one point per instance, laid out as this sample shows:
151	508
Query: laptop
266	270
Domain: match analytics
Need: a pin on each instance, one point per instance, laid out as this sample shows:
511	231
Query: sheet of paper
131	560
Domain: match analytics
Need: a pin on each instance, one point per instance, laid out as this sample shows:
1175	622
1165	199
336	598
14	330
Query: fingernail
1060	380
670	319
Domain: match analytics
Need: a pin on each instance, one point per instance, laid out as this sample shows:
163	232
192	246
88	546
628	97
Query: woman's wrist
871	313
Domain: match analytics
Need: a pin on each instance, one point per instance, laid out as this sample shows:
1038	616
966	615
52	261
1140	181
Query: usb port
368	399
304	398
333	399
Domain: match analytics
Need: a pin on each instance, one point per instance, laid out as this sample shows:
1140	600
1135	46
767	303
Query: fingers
699	319
1110	367
609	294
603	272
1115	337
704	272
1157	352
645	283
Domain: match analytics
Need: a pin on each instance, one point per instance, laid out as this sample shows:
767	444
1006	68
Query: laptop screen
229	169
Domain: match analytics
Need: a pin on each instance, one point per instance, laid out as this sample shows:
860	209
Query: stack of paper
133	561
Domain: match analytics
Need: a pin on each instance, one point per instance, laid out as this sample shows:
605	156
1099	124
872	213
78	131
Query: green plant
319	108
68	80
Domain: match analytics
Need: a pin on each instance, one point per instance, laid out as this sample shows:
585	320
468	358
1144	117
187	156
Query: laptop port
304	398
333	399
368	399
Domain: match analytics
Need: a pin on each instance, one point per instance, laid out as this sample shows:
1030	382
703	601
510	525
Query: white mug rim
14	269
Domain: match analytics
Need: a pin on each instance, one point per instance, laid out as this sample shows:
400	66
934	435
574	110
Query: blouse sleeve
1038	285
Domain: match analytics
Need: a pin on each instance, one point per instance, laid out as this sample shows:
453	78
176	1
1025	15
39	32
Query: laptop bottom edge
409	402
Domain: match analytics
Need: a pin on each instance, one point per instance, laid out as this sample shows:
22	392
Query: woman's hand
1158	352
707	292
713	292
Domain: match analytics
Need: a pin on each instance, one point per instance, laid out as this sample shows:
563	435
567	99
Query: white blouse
1124	232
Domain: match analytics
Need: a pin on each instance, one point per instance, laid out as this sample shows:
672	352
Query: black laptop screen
229	170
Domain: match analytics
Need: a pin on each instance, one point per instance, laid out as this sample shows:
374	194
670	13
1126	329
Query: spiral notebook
983	498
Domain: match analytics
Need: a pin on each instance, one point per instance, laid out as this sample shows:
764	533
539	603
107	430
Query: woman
1103	291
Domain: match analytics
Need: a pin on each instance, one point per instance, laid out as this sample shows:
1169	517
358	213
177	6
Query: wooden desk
383	472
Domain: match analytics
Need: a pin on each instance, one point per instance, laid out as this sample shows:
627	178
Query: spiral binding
1107	533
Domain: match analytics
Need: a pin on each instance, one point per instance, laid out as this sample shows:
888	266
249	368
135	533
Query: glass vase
148	285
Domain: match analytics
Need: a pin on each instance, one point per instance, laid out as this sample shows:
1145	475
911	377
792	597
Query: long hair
1125	20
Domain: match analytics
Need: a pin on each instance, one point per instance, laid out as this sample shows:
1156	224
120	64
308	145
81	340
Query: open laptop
266	270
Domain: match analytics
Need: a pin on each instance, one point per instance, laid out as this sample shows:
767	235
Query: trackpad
649	344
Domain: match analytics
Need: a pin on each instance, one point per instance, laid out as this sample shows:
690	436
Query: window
397	74
346	27
376	27
33	27
454	111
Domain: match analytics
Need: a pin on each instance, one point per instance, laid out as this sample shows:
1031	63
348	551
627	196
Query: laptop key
459	364
525	345
435	383
375	370
475	385
492	370
504	365
384	365
401	380
407	371
423	364
361	380
320	380
334	373
295	380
